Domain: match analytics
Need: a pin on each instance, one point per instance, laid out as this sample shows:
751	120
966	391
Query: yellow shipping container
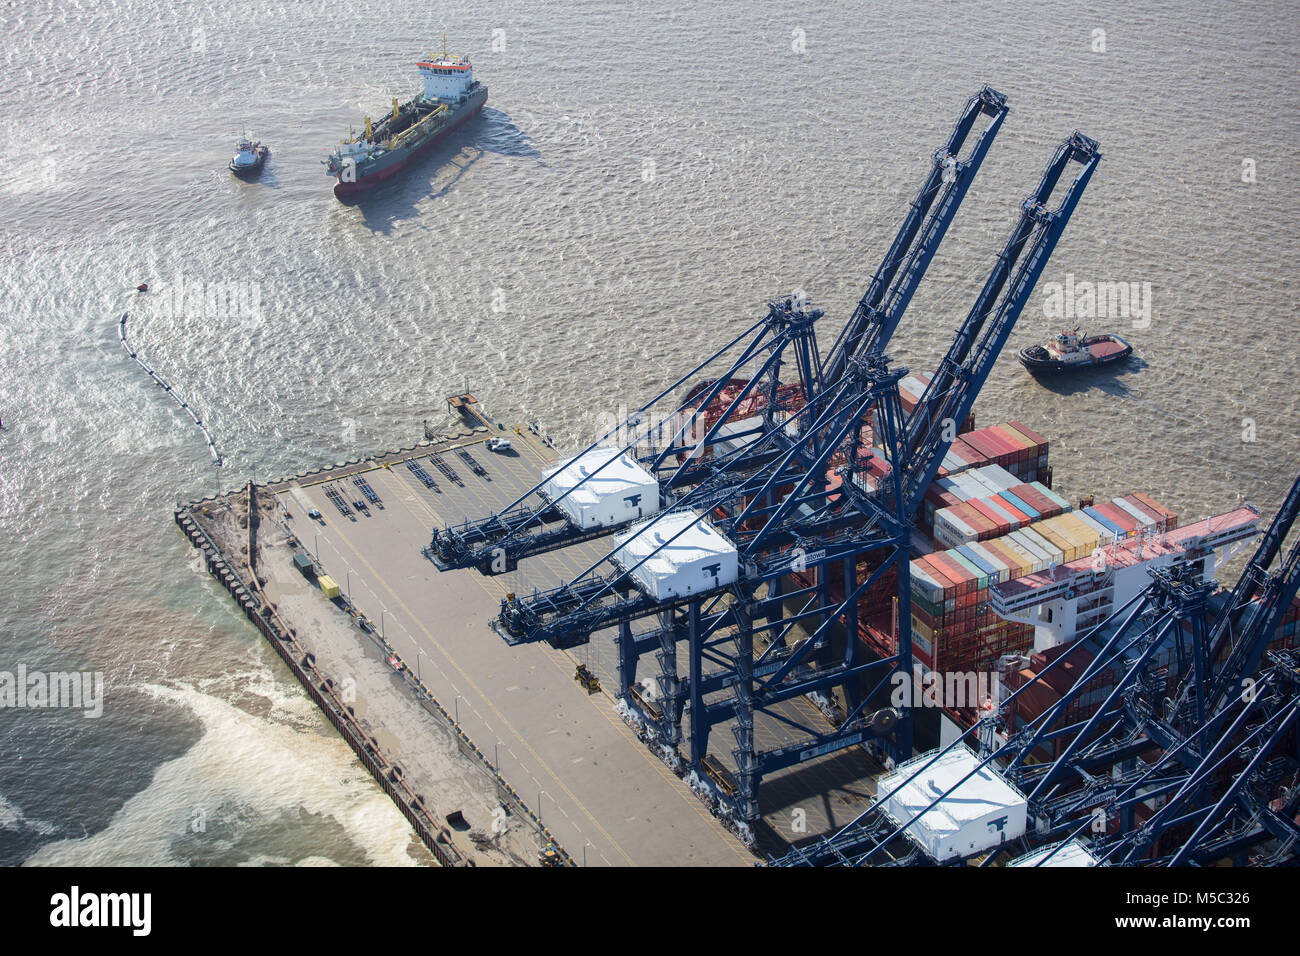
1056	539
1026	560
1020	567
327	586
1062	530
1086	533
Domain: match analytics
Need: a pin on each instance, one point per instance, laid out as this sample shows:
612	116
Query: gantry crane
529	526
806	507
1224	780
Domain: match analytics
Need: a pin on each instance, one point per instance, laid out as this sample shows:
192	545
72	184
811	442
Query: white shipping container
1053	553
977	476
1001	479
970	487
951	530
1038	556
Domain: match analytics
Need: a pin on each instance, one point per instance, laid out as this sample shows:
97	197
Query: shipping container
1088	535
1171	519
327	586
1004	502
1021	505
1104	534
999	476
1052	496
1144	520
1001	522
981	578
1021	554
1119	517
1004	512
1063	545
1114	530
1004	570
1029	433
984	525
1024	448
1156	517
1053	551
1012	555
1035	552
991	572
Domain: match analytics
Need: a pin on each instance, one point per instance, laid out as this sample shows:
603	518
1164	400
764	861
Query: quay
550	760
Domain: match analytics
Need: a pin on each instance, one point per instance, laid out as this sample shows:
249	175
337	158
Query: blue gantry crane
755	567
1215	762
529	526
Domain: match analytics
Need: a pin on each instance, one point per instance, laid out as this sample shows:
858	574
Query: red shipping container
1002	525
981	444
1024	447
981	525
941	575
1015	512
1006	449
964	579
1119	516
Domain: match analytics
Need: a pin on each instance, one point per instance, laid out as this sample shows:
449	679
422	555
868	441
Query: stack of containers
1286	632
953	630
974	517
1131	515
1012	445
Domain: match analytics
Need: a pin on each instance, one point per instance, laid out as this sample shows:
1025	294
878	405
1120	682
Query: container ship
451	95
1007	574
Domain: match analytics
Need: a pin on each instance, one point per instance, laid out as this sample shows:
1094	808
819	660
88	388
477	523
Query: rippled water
642	179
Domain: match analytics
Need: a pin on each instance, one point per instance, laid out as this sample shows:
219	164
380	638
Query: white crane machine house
601	487
676	555
983	812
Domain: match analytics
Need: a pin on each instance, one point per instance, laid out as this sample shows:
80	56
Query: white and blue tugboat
249	158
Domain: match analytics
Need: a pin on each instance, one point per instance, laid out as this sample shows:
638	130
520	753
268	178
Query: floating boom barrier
166	386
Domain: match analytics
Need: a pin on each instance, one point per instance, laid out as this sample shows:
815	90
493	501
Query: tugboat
1072	351
249	158
451	96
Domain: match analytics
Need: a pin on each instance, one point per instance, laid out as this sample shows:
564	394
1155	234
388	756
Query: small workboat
1072	351
249	158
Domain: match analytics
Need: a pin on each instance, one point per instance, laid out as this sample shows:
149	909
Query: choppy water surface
642	179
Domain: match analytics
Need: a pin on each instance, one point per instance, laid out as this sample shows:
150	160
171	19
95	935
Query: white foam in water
11	818
263	766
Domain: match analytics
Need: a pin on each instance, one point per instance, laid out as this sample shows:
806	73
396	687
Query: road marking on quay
562	661
434	641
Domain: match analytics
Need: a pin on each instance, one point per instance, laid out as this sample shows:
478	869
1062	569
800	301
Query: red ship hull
343	190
